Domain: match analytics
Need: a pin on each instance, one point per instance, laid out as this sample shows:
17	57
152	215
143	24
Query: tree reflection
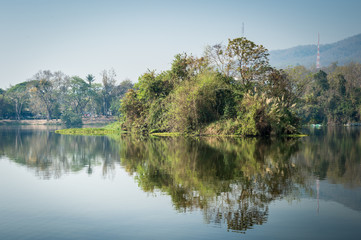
52	155
231	180
334	153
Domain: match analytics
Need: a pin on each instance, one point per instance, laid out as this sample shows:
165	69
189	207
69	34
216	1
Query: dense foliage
233	90
230	90
328	96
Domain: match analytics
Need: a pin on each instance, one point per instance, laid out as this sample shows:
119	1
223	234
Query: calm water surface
85	187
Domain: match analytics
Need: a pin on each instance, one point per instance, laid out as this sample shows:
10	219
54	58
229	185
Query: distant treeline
54	95
330	96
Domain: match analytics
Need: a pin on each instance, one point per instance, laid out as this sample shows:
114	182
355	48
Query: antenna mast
318	53
242	29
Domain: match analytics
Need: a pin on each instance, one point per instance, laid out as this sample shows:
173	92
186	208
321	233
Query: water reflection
231	180
334	154
51	155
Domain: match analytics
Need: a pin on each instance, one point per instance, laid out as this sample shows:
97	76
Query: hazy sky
79	37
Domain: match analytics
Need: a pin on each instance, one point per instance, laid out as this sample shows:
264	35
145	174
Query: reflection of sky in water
350	197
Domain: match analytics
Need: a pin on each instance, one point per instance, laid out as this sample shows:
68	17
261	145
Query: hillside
344	51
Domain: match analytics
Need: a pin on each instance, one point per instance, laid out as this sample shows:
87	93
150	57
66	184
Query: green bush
262	115
194	103
70	118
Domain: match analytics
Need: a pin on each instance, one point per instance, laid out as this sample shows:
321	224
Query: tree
241	59
341	86
185	67
6	108
133	110
279	84
111	93
19	96
108	80
46	88
151	86
321	80
43	90
96	102
179	70
250	60
300	78
79	93
123	87
90	78
218	57
119	93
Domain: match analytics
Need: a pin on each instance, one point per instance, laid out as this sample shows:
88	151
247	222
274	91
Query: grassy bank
110	129
86	131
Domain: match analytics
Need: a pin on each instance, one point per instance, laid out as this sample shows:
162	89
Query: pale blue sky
80	37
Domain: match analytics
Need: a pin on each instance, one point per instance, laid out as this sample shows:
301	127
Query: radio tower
242	29
318	52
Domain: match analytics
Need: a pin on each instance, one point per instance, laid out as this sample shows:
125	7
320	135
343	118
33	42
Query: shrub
194	102
70	118
133	112
262	115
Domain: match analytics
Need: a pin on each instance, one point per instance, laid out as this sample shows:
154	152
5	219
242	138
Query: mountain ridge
343	52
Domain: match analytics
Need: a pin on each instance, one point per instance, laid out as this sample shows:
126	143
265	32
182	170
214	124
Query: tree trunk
48	115
17	110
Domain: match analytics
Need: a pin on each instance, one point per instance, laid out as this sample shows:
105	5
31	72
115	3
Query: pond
92	187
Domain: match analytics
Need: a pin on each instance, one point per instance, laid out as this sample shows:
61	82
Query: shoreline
115	130
86	121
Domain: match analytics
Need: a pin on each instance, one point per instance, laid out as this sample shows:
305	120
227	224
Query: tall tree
119	92
241	59
321	80
108	80
6	108
218	57
46	87
78	94
250	60
19	96
90	78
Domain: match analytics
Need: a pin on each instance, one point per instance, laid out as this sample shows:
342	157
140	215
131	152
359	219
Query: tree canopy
230	90
55	95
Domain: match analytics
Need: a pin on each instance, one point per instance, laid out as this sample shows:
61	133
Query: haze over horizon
81	37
